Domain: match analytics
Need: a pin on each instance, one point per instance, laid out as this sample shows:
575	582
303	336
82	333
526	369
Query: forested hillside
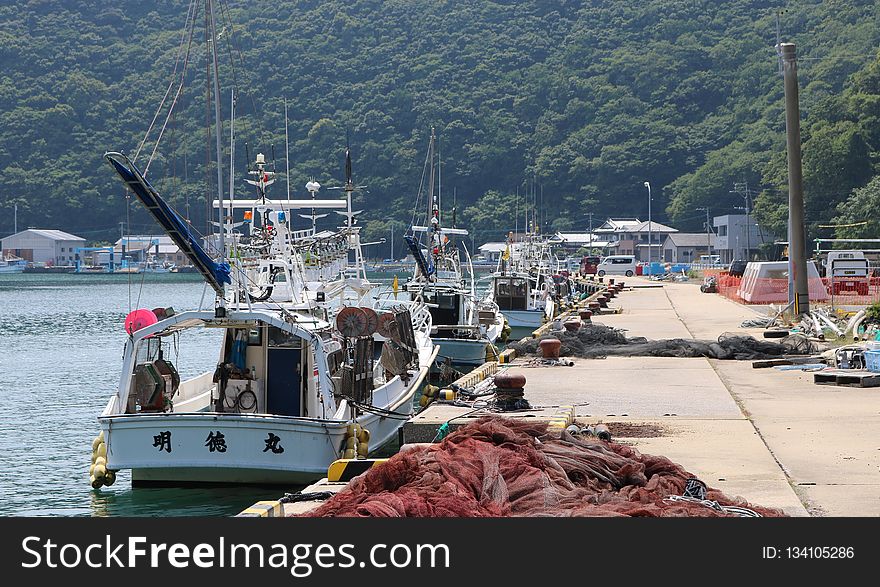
584	100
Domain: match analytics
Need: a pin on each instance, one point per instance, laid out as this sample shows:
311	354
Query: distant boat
464	327
523	284
12	265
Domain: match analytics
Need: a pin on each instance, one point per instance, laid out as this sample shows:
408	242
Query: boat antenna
349	184
231	154
516	213
439	183
287	154
454	199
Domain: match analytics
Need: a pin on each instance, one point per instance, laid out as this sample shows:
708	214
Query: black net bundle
597	340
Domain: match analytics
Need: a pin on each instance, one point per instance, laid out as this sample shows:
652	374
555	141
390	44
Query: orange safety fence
850	292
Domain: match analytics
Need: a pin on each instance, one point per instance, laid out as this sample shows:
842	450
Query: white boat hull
462	351
194	445
531	319
256	449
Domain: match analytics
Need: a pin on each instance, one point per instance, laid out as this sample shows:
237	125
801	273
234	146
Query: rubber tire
775	333
601	274
629	273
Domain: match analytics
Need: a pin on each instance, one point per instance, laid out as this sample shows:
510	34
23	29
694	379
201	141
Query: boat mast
231	156
217	127
354	241
433	220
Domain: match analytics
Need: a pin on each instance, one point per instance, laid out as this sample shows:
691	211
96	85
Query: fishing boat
297	374
464	326
522	285
301	377
12	265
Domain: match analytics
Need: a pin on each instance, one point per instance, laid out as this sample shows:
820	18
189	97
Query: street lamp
648	185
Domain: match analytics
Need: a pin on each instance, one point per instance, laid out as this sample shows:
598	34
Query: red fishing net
502	467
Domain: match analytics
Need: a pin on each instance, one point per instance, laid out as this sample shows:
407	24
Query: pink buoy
139	319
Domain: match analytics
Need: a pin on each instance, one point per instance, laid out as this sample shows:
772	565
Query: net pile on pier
597	340
502	467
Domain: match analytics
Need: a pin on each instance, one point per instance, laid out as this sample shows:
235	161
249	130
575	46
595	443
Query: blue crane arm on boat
426	267
216	274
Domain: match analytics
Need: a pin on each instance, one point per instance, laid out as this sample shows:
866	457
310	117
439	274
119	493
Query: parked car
617	265
590	264
737	268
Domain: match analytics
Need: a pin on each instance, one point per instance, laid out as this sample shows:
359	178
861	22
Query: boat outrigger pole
216	274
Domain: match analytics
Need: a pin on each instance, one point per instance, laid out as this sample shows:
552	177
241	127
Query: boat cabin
445	306
263	368
512	293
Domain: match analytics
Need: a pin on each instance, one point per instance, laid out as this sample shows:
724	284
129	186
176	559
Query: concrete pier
745	431
772	437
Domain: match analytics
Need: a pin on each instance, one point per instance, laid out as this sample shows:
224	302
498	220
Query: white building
739	237
492	251
687	247
160	249
630	236
572	241
43	247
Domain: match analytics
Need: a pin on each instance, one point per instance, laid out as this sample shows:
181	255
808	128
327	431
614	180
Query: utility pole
15	219
648	185
708	232
798	288
743	190
590	214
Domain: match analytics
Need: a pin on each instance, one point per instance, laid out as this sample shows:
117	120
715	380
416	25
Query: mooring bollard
550	348
603	301
508	380
586	315
572	325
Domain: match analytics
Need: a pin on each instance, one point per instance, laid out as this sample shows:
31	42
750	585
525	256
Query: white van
710	260
617	265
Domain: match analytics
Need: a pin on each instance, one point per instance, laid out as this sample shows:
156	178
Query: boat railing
419	312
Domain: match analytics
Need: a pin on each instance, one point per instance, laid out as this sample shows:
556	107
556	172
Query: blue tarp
215	273
654	268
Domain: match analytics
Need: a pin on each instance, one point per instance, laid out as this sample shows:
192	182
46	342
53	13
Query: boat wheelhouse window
444	301
510	293
281	338
446	310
